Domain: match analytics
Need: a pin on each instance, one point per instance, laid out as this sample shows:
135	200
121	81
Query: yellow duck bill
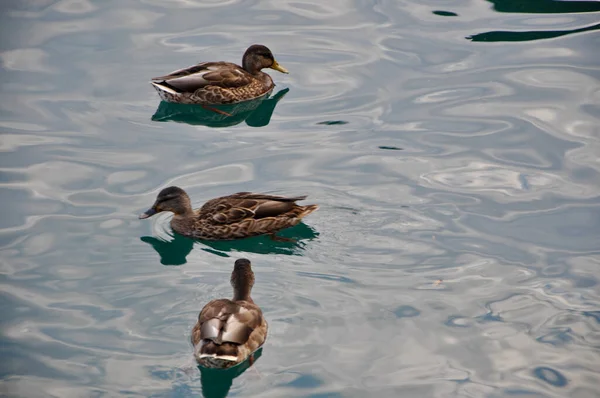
278	67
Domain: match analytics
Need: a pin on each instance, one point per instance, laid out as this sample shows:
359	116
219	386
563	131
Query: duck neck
183	220
250	66
184	208
242	280
242	287
242	294
253	71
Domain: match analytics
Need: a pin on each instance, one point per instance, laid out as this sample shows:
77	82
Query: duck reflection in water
217	382
174	248
256	113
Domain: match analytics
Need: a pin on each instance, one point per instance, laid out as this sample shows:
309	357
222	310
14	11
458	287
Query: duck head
258	57
173	199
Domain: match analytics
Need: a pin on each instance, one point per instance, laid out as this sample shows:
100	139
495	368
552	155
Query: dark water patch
593	314
163	373
333	122
391	148
305	381
445	13
406	311
557	337
550	376
545	6
8	176
584	283
509	36
489	317
458	321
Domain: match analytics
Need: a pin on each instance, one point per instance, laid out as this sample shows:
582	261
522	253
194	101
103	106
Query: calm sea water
453	147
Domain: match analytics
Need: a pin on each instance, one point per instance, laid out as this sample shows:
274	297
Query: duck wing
224	321
221	74
247	205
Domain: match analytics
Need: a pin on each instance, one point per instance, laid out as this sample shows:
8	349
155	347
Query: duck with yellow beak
213	83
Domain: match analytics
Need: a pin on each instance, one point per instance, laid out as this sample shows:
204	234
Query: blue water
452	146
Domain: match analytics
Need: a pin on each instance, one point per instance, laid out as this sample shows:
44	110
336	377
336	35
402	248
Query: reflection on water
217	382
444	13
174	248
537	7
256	113
527	36
545	6
171	252
300	234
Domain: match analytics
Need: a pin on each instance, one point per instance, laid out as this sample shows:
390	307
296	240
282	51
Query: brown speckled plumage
236	216
229	331
210	83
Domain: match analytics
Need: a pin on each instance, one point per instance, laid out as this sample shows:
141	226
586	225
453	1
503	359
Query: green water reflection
256	113
217	382
537	7
175	251
527	36
545	6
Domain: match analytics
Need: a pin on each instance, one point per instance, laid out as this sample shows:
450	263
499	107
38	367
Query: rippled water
453	148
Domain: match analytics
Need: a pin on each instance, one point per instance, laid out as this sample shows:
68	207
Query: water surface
453	148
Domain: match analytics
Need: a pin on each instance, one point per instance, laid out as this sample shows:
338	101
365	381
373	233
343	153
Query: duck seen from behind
211	83
230	331
236	216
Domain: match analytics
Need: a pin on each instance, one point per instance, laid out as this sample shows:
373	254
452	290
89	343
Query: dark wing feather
265	205
247	205
221	74
263	196
271	208
229	78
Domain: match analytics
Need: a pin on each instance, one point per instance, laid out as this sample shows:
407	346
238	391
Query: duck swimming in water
212	83
236	216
